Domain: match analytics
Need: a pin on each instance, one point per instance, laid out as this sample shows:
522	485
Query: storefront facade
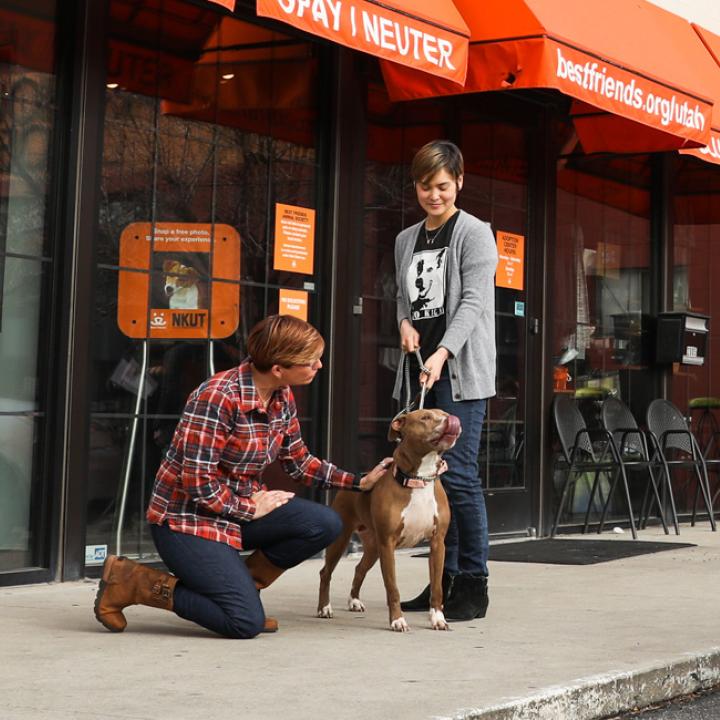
137	134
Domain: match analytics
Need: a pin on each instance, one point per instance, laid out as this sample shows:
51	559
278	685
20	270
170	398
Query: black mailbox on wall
682	337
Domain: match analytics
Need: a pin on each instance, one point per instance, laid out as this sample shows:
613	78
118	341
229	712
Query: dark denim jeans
215	589
466	543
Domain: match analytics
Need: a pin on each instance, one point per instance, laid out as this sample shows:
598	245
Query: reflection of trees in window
25	116
168	168
24	132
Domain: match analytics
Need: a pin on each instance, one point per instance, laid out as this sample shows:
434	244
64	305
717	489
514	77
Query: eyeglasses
311	365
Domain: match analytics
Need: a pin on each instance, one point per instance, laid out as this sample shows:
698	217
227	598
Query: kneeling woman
209	500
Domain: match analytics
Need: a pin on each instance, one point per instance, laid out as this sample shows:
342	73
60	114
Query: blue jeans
466	543
215	589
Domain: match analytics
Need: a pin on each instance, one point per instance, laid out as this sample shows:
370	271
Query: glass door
495	190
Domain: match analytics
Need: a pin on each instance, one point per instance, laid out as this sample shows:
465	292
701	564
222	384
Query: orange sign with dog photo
179	280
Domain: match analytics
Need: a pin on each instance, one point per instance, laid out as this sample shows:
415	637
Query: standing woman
209	500
445	268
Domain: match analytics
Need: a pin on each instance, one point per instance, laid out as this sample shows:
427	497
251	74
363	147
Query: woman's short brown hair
435	156
283	340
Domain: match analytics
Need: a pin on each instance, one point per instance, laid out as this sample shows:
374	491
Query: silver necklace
430	240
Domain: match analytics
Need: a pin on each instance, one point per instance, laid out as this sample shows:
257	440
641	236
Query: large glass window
695	389
600	292
27	119
209	123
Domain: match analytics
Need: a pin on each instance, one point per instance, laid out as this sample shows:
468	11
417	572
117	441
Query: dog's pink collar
412	481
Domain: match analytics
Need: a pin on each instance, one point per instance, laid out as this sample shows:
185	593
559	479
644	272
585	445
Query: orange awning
28	39
255	79
636	65
711	152
429	35
229	4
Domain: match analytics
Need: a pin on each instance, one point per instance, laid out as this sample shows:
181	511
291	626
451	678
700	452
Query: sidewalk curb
602	696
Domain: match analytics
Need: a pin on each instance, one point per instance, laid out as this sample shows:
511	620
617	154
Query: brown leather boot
124	583
264	573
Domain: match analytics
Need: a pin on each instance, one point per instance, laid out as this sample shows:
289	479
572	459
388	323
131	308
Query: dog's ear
395	427
168	265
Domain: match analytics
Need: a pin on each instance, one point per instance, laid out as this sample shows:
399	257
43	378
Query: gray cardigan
469	305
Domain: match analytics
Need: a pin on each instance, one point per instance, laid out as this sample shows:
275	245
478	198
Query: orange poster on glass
294	238
511	261
179	280
293	302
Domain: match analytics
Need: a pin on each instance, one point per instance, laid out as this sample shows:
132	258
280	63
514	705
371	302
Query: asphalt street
699	706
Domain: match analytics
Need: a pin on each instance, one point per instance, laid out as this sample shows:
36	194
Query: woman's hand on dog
368	481
268	500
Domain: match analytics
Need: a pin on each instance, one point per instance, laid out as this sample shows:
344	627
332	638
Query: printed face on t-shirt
426	283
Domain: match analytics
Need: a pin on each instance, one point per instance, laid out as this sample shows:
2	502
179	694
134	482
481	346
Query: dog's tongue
453	426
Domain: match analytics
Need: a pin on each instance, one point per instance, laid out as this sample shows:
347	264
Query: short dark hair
283	340
435	156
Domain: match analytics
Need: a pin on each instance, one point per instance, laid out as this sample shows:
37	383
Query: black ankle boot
422	601
469	598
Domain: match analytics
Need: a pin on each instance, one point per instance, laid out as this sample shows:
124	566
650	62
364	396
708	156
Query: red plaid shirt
222	444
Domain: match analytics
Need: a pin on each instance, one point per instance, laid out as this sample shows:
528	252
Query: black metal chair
711	453
707	435
635	455
678	448
579	456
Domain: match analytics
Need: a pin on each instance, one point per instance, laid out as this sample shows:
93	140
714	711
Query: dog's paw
355	605
325	612
437	620
399	625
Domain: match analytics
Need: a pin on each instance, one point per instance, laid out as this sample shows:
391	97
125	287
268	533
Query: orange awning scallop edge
632	59
711	152
428	35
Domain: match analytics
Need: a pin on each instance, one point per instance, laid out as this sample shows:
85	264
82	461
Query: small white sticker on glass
95	553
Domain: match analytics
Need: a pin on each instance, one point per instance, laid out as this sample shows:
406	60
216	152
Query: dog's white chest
419	516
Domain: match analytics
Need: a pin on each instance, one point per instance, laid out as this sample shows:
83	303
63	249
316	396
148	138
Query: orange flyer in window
294	238
294	302
511	261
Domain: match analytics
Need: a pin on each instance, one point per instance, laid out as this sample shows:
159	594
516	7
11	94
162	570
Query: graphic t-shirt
426	284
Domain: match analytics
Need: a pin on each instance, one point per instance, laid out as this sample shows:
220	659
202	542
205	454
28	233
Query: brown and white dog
181	286
407	505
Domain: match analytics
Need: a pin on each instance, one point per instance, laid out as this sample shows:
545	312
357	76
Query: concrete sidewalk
560	642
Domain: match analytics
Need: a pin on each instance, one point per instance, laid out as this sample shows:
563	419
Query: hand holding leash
433	368
418	403
409	337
